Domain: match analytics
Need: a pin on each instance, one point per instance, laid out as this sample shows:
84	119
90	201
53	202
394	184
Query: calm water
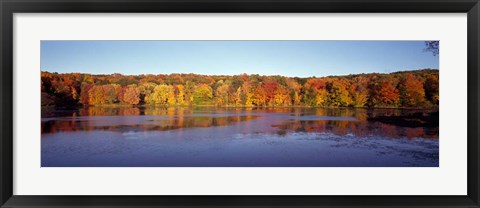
233	137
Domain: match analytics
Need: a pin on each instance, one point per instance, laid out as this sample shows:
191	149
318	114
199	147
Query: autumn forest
405	89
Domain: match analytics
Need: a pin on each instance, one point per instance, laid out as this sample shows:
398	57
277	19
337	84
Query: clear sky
287	58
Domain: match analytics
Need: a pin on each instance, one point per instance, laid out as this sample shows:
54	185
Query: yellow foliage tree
281	97
162	95
180	95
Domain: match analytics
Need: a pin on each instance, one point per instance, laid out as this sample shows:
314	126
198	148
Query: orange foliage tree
385	93
411	91
131	95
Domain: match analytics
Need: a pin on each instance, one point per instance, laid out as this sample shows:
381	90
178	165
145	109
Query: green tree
203	95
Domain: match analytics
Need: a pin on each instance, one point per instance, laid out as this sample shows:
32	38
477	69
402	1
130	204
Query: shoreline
227	106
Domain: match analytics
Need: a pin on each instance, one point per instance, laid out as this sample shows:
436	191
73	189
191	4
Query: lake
236	137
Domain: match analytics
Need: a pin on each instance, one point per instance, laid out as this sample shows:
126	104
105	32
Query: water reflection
275	120
177	122
361	114
360	128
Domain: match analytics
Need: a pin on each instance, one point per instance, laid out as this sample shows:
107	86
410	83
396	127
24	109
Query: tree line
410	89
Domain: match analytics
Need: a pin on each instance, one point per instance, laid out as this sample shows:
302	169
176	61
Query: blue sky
287	58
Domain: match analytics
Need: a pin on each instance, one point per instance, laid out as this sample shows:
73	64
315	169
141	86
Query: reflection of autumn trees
100	111
129	112
400	89
164	119
172	118
360	128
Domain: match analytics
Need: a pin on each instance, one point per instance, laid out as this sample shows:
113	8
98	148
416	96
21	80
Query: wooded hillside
418	89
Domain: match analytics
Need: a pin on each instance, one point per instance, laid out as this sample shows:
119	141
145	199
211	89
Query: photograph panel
240	103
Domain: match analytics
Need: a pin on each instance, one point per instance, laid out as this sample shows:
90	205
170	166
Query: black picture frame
9	7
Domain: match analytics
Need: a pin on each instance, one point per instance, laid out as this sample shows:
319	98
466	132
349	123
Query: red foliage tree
131	95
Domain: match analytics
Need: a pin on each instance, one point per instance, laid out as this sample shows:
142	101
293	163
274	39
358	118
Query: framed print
239	103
